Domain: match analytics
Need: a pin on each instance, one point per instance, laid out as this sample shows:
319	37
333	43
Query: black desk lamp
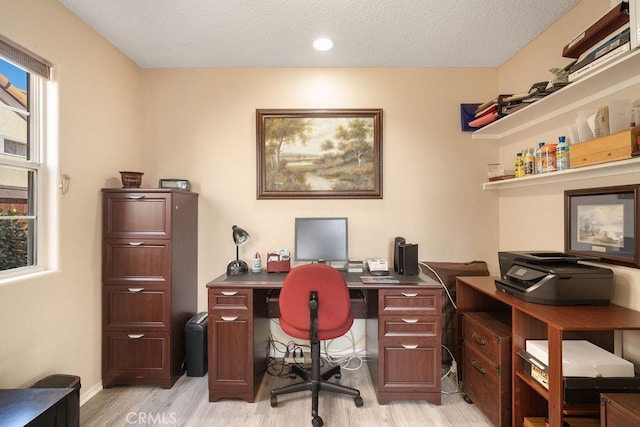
238	266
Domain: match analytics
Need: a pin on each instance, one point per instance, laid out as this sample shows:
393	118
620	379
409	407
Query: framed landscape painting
319	154
603	223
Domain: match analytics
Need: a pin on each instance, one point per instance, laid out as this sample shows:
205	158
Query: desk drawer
409	326
229	299
137	215
136	307
409	301
487	334
410	365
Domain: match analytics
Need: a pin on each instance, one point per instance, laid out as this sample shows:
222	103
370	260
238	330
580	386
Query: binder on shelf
615	18
609	45
608	57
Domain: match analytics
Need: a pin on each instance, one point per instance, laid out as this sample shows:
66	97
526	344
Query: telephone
378	267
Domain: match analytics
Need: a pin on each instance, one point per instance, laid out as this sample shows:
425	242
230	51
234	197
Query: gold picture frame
319	154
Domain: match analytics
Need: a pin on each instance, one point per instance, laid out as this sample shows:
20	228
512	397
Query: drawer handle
137	197
413	294
229	293
136	289
480	341
478	367
410	320
136	243
410	346
135	336
229	318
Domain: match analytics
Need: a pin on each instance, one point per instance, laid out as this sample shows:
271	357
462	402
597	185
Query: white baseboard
84	397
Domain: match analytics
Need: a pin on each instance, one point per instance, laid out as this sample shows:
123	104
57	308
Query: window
21	112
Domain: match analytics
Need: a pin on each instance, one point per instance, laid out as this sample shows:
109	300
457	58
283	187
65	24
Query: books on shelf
602	49
617	52
615	18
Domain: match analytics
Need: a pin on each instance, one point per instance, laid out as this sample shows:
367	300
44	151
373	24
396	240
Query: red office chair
315	305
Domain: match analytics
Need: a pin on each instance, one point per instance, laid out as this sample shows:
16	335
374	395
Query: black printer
554	278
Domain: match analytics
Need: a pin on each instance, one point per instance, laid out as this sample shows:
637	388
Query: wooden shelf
620	167
614	77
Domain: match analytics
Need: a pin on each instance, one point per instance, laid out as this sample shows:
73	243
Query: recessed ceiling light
323	44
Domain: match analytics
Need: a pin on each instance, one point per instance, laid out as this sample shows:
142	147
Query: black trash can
73	401
195	333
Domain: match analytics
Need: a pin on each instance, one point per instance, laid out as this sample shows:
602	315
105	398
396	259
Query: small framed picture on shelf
603	223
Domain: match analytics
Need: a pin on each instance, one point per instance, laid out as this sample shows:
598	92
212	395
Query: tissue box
583	359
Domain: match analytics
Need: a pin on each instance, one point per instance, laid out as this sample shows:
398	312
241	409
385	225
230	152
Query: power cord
424	264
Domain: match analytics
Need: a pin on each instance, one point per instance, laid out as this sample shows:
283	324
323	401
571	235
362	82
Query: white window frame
35	164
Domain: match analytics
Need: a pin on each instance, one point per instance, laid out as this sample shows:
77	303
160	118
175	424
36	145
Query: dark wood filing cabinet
149	276
619	409
486	358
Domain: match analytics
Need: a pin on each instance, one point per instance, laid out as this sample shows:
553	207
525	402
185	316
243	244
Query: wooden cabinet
619	409
149	276
547	322
408	350
486	359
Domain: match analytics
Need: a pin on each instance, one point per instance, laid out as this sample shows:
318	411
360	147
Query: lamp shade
240	236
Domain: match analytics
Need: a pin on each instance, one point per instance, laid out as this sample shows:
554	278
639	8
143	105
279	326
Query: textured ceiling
279	33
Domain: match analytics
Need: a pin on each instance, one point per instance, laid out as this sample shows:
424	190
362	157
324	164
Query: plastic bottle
562	154
538	158
519	166
529	162
257	264
548	152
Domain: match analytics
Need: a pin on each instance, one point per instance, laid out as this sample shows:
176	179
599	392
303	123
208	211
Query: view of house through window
19	166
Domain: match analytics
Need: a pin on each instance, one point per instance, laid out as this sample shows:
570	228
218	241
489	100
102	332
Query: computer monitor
321	239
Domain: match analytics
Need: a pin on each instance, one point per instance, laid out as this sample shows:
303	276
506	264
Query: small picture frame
176	184
603	223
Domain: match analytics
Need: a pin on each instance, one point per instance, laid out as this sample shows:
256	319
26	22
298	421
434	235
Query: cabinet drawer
409	301
410	365
137	215
136	307
487	334
409	326
230	299
482	383
136	261
136	353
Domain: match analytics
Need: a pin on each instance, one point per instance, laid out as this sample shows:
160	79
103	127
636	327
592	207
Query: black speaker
408	259
396	253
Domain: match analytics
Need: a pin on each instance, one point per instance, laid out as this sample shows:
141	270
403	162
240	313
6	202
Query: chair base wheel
467	399
274	401
317	421
358	401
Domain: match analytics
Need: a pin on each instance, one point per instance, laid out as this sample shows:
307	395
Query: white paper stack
583	359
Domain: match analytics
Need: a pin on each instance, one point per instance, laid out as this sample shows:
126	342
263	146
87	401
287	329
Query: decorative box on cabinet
149	276
619	409
409	340
487	364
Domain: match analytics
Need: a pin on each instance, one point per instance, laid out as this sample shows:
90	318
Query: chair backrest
334	306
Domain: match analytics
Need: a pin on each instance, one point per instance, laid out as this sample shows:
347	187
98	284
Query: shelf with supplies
620	167
612	78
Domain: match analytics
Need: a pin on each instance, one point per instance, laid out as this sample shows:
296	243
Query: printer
554	278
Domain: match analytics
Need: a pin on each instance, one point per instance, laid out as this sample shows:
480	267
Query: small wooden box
277	266
618	146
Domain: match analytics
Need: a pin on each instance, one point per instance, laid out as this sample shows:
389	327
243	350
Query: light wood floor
187	404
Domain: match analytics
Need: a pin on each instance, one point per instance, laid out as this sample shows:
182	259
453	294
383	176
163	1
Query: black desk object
34	407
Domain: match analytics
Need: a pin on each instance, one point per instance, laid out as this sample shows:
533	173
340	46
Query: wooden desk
403	335
36	407
553	323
